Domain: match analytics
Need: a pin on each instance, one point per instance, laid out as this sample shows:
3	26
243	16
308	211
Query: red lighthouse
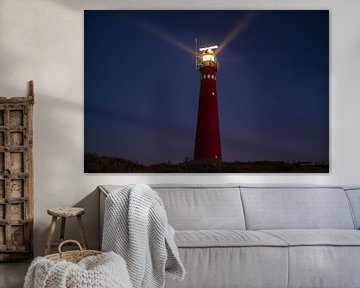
207	143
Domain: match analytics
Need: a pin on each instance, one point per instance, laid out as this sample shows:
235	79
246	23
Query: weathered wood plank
14	248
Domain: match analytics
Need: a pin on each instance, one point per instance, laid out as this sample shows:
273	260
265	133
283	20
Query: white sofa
244	236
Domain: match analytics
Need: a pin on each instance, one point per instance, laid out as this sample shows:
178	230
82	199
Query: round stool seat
66	211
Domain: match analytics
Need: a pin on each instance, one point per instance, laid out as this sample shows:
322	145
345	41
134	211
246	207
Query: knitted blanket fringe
107	270
136	227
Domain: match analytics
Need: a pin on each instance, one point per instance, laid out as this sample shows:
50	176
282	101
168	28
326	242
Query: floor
12	274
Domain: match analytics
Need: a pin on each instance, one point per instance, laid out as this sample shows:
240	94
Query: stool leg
51	235
82	232
62	231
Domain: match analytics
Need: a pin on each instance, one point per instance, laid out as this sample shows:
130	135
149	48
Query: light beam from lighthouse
207	142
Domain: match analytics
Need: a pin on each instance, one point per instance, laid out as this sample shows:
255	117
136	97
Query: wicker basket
72	256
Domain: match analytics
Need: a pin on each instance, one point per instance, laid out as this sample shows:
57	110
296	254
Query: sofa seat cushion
225	238
317	237
323	258
235	267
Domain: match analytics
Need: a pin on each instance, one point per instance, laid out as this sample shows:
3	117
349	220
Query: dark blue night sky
142	88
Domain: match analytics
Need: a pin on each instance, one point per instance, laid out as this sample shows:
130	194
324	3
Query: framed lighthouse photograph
206	91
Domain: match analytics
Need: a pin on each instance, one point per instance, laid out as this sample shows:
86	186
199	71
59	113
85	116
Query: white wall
43	41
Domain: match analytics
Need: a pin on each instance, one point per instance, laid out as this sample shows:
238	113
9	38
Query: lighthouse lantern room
207	142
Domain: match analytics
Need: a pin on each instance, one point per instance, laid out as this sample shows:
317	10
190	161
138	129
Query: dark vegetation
104	164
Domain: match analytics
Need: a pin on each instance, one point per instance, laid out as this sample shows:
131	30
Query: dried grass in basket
72	256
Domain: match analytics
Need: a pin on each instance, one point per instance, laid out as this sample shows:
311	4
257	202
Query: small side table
64	213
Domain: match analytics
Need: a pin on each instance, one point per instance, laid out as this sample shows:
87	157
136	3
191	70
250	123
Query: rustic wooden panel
2	139
16	162
17	235
2	118
17	188
2	211
17	211
16	118
2	162
2	188
16	139
2	235
16	177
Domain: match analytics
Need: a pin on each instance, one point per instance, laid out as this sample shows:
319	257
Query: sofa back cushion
296	208
203	208
354	198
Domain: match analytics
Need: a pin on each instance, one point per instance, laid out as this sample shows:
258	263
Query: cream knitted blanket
136	227
103	271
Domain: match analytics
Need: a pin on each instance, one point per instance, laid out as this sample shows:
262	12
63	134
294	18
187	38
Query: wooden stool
64	213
